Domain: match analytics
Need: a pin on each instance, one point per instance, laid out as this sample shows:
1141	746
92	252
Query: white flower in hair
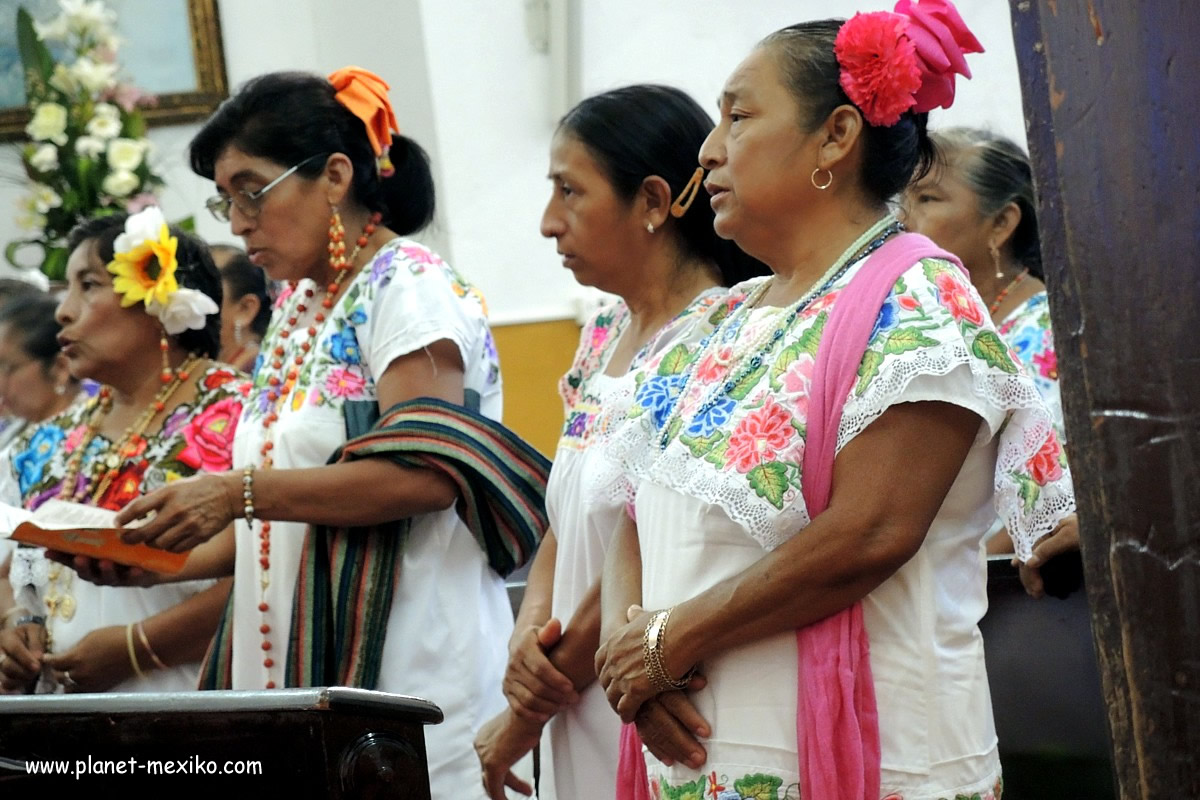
185	309
146	225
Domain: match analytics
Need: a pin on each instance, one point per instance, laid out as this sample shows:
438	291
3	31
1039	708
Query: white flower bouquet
87	154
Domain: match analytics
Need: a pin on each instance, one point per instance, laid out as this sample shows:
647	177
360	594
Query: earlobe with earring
996	261
238	336
649	227
826	184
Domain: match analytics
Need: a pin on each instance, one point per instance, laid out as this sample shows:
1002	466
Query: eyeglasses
249	203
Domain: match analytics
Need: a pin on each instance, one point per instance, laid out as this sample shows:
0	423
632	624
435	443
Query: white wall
468	84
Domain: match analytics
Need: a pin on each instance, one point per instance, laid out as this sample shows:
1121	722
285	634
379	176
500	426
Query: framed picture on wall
169	48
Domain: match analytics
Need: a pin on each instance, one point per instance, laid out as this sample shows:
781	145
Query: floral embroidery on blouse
196	437
756	786
734	396
1027	331
598	339
336	370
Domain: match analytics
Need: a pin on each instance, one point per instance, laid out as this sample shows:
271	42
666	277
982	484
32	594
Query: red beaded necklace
281	387
1005	291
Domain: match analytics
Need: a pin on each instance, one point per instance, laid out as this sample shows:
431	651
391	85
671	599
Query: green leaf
188	224
932	268
758	787
35	56
701	446
716	456
769	482
867	370
687	791
55	264
901	286
782	362
1029	491
674	362
719	314
906	339
747	382
992	349
811	338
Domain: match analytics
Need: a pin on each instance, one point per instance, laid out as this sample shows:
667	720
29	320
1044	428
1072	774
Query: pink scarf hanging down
837	722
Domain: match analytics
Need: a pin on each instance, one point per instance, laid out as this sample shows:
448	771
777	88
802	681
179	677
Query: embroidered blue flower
343	345
658	395
29	463
709	419
358	316
889	315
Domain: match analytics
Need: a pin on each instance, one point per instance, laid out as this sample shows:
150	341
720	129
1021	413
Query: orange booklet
87	531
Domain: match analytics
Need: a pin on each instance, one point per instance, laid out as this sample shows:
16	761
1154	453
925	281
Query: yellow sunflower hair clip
143	268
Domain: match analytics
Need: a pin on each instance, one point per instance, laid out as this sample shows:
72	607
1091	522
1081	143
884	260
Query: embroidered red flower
880	72
124	488
715	365
209	437
218	377
953	294
1046	465
1047	363
908	302
759	437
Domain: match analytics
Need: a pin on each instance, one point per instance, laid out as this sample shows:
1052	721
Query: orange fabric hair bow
365	94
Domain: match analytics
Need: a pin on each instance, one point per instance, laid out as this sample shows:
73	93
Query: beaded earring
996	261
164	346
239	337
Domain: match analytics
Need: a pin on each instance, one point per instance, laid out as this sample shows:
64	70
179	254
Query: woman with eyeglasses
371	417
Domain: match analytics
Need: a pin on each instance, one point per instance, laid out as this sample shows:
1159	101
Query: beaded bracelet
137	668
654	646
141	632
248	495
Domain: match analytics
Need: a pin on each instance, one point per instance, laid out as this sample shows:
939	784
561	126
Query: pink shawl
837	722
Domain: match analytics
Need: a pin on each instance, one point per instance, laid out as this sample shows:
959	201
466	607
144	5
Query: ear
248	306
1004	225
653	202
338	177
839	135
60	373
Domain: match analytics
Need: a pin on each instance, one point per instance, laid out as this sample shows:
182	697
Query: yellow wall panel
533	357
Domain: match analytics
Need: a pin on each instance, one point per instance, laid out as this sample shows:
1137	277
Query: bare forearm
575	654
213	559
621	585
368	491
539	586
181	634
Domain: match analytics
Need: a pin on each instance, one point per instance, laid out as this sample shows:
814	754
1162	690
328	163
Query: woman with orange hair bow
371	418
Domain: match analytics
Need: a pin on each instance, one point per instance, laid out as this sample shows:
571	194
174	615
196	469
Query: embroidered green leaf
700	445
785	359
812	337
992	349
904	339
758	787
1028	490
686	791
746	383
932	268
674	362
976	796
719	314
901	286
867	370
769	482
716	456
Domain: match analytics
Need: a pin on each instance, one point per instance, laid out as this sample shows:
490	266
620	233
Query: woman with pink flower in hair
808	507
140	316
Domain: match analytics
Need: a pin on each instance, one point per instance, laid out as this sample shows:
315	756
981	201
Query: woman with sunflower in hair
140	318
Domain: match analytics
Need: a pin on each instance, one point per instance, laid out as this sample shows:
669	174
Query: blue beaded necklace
876	235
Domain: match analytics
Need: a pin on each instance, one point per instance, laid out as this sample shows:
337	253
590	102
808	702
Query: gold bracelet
133	653
654	643
141	632
248	495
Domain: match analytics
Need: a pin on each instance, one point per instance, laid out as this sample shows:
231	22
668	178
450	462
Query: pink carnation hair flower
880	70
942	40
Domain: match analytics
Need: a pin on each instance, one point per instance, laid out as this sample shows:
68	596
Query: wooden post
1112	94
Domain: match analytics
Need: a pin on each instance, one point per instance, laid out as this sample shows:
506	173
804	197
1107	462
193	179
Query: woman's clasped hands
667	722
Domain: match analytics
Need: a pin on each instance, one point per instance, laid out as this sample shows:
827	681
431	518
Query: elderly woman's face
287	234
27	388
759	159
101	339
944	207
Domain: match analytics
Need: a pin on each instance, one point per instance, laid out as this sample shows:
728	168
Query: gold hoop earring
821	186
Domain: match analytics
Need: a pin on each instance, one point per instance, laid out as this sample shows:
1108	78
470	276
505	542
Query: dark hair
999	173
288	117
195	270
243	278
638	131
11	287
30	319
893	155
